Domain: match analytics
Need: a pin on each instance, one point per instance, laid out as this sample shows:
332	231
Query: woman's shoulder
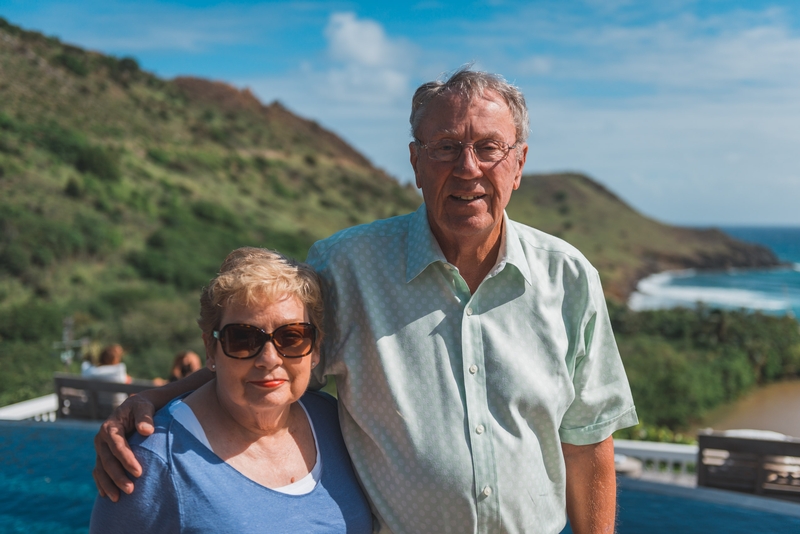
157	443
321	406
320	399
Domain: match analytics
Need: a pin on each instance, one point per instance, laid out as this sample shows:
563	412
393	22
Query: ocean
774	291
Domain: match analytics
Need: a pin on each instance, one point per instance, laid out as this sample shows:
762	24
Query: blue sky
689	110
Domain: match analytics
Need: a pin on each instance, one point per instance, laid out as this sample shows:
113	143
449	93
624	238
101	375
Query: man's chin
470	227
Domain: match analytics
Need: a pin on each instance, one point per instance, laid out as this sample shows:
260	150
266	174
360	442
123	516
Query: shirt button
469	311
487	491
473	369
479	429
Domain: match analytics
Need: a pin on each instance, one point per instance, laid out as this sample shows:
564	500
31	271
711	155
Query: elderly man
478	377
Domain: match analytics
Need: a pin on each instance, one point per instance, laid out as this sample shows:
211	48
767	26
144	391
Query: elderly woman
251	450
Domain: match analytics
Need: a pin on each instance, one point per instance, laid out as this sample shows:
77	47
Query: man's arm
591	487
114	456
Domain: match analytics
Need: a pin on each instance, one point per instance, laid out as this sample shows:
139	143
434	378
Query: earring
213	366
313	364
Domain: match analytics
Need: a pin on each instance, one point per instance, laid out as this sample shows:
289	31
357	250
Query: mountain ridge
624	245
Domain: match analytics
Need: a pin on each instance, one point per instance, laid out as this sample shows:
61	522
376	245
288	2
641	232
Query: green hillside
120	194
622	244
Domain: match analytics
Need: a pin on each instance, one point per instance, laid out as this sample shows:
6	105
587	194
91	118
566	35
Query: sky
688	110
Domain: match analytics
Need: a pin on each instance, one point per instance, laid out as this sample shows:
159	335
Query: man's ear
521	159
413	153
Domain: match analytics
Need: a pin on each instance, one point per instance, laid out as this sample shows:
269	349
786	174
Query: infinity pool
46	483
46	487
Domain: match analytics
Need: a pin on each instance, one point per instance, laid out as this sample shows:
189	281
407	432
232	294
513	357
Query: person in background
109	368
186	362
250	451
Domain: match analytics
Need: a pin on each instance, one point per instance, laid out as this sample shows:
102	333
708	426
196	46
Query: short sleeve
152	507
603	401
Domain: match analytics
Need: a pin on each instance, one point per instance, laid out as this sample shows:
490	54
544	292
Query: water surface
775	291
773	407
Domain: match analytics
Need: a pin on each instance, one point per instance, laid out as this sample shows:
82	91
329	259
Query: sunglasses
243	341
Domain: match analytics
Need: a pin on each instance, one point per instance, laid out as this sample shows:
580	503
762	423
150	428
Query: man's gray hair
472	84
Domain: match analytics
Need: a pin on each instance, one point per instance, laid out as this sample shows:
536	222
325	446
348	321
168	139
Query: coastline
658	291
734	255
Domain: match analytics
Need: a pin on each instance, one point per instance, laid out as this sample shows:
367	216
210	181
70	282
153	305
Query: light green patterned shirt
454	406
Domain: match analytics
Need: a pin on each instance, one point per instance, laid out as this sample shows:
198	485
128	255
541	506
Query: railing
38	409
764	463
666	462
87	398
76	397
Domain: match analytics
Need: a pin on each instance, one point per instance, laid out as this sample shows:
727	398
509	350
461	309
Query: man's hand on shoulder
114	455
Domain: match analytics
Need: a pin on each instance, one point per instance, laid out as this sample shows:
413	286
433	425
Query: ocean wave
655	292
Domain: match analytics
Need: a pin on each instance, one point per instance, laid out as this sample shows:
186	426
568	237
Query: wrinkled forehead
459	100
448	112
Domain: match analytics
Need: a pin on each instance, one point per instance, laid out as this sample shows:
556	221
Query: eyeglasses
486	150
243	341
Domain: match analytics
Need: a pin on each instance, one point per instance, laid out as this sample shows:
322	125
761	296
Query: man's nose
467	164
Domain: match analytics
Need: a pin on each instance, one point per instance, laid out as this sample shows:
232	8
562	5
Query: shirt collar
514	255
424	250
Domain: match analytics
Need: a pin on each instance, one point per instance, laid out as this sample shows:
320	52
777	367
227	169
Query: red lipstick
270	384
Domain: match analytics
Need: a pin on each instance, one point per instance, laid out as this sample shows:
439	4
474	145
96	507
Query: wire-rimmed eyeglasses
486	150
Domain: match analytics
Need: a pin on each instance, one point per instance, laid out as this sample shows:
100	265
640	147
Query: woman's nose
269	356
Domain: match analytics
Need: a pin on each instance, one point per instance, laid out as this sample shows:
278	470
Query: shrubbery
76	63
27	239
681	363
26	335
31	322
98	161
68	146
186	252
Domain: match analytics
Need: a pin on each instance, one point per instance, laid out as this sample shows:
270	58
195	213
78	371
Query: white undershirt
183	413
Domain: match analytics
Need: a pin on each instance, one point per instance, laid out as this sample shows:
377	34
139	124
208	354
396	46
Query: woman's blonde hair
257	276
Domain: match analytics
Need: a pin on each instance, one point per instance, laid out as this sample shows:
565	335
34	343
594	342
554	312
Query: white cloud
536	65
679	159
363	93
674	57
363	42
369	67
370	72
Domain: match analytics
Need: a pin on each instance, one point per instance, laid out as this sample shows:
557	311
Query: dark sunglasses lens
242	341
294	340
